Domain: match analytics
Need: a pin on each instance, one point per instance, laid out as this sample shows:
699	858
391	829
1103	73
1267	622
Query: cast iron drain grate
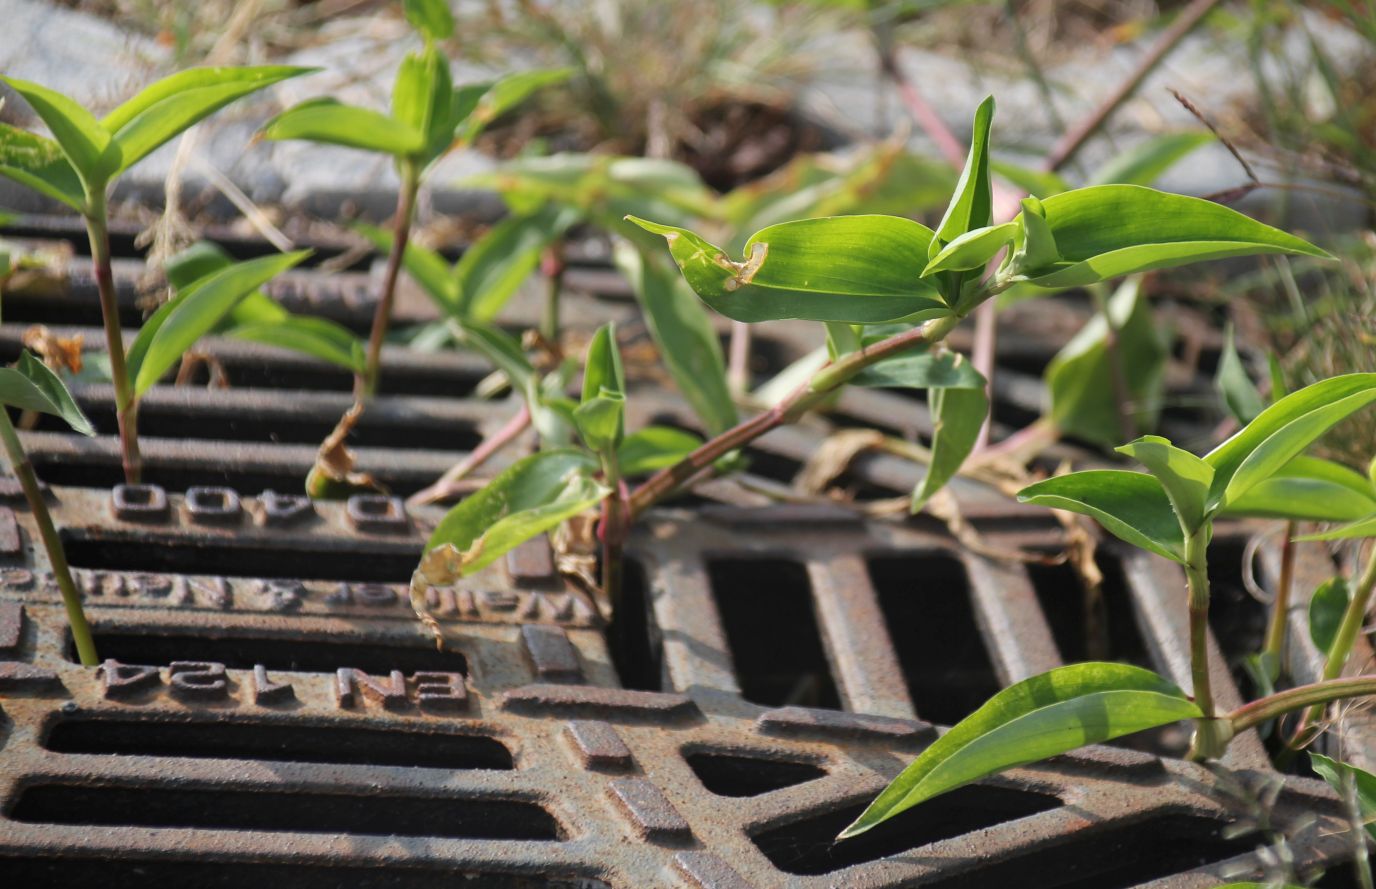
272	713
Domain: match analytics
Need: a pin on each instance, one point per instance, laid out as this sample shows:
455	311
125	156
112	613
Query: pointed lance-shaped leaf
1185	477
1345	778
855	269
972	204
82	138
493	268
503	96
1043	716
40	164
1327	607
1106	231
654	448
958	415
1132	506
1236	388
1308	489
32	386
329	122
1282	431
973	249
431	18
172	105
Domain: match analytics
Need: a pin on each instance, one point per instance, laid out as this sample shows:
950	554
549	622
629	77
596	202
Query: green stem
1280	607
1341	648
23	469
125	408
366	385
1210	738
830	377
1315	694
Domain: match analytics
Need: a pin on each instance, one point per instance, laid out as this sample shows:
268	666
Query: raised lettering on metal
198	680
440	691
123	680
265	691
349	683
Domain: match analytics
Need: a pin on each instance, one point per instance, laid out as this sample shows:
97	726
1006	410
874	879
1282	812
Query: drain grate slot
1121	857
808	847
1236	617
269	742
277	811
728	774
1105	630
767	612
134	873
291	654
636	649
242	558
926	603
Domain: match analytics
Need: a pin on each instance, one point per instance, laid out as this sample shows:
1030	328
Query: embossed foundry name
210	681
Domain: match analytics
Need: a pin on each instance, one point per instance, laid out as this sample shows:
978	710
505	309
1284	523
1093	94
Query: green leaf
1043	716
530	497
1106	231
1145	162
422	99
32	386
1239	393
492	269
683	333
1079	380
602	371
856	269
1283	430
1033	181
426	267
1308	488
1132	506
503	351
601	421
178	323
174	104
1034	245
1185	477
972	204
81	137
317	337
327	121
918	369
1326	610
654	448
958	415
431	18
39	163
1359	529
1339	774
188	266
505	95
972	250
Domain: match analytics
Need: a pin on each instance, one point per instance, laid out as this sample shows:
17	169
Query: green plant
1168	510
85	157
31	386
889	291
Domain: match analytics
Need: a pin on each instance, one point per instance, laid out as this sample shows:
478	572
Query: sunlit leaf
430	17
1238	391
327	121
530	497
1106	231
654	448
973	249
856	269
1361	528
83	139
494	267
1340	776
505	95
1308	488
39	163
1039	717
972	204
318	337
1132	506
1185	477
1283	430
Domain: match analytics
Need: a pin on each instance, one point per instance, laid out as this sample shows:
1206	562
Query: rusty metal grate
271	711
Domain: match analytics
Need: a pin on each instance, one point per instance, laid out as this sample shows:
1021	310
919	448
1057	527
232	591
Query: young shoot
1168	510
84	158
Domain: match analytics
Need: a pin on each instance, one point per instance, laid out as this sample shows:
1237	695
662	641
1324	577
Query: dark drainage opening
268	742
727	774
1236	617
288	653
295	811
127	873
775	467
636	649
808	847
767	612
926	604
1121	857
1085	629
231	558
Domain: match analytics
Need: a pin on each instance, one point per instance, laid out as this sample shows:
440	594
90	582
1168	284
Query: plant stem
125	409
447	483
23	469
1280	606
552	265
738	359
1353	619
1197	574
366	385
1315	694
830	377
